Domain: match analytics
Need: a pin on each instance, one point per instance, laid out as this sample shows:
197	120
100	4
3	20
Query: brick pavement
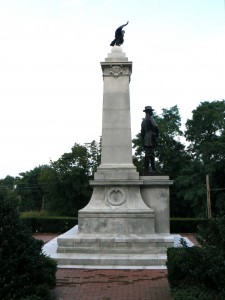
89	284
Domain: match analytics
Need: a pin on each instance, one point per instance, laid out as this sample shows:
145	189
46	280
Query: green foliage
34	214
180	263
206	134
94	155
205	131
7	189
191	190
29	191
170	151
138	158
193	293
66	181
201	270
186	225
61	188
213	234
199	267
50	224
61	224
25	272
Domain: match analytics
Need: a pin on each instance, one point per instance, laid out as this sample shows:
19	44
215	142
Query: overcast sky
51	86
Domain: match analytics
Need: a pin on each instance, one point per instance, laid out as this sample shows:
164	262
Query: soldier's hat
148	108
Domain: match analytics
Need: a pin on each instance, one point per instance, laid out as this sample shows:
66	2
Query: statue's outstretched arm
121	27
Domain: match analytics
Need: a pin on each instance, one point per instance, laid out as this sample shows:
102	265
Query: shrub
50	224
25	272
213	234
199	272
34	214
192	293
180	263
38	222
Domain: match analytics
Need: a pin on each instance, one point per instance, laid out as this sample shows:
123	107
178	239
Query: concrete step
78	259
113	250
120	244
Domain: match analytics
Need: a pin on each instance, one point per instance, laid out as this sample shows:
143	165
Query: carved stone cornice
116	69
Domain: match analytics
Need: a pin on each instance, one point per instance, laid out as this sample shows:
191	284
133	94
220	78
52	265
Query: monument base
126	223
112	250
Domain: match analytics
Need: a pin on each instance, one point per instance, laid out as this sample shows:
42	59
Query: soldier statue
149	135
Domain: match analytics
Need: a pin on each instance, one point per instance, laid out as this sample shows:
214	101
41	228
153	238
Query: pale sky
51	85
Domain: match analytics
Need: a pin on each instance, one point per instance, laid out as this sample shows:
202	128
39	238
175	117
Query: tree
25	272
170	151
66	181
7	189
94	155
29	190
190	191
205	131
206	134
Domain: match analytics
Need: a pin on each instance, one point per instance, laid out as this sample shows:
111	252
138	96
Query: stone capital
116	69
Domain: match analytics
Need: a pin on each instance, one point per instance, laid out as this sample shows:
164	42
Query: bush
50	224
180	262
199	272
34	214
25	272
213	234
192	293
38	222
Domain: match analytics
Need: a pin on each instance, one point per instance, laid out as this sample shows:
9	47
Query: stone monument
126	222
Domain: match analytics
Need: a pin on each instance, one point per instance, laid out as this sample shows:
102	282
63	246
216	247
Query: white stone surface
116	122
116	54
116	205
155	193
106	261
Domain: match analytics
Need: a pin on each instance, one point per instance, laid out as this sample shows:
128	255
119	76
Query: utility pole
209	211
43	203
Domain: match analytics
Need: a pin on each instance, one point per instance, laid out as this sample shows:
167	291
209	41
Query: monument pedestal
122	224
119	228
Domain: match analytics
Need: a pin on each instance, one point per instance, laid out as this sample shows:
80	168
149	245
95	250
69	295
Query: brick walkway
87	284
90	284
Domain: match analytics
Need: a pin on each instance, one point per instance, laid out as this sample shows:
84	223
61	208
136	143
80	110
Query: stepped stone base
110	260
115	250
118	227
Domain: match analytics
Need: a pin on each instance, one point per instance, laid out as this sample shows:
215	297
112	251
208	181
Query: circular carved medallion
116	196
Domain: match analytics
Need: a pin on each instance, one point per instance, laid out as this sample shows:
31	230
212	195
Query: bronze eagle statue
119	36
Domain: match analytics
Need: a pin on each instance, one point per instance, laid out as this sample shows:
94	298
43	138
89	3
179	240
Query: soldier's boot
146	165
153	164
